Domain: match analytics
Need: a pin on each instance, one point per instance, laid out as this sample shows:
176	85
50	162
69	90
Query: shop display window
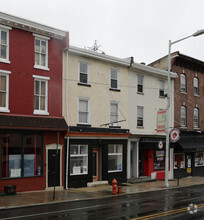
115	156
78	159
199	159
21	155
179	159
159	159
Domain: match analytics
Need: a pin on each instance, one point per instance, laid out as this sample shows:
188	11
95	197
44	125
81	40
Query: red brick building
31	124
188	113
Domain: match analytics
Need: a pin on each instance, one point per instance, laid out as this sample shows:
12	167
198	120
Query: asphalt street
180	203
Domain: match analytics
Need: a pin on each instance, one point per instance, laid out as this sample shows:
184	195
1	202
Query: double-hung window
195	86
140	118
183	116
4	90
4	44
114	79
115	157
183	83
83	72
84	111
41	95
140	80
78	159
195	118
41	52
114	113
161	88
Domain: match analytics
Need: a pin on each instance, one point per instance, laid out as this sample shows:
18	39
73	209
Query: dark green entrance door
53	168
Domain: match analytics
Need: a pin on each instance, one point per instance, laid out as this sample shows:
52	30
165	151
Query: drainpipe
67	162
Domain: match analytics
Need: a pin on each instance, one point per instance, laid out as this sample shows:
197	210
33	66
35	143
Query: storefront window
159	159
78	159
199	159
21	158
115	153
179	159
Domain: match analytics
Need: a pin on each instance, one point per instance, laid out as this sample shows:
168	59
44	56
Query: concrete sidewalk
95	192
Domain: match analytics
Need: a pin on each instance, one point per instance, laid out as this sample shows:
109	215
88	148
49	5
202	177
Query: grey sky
123	28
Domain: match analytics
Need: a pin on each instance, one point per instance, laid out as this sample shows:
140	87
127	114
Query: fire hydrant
114	186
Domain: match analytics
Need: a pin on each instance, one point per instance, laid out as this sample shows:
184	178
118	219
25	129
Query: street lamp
197	33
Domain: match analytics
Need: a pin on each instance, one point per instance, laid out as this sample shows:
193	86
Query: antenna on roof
95	47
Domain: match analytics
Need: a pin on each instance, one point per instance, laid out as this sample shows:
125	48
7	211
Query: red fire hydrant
114	186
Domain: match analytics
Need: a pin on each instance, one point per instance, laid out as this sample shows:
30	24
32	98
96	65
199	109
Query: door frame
53	147
98	164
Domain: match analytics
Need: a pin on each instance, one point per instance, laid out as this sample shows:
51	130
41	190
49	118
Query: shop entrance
95	164
188	164
141	162
53	168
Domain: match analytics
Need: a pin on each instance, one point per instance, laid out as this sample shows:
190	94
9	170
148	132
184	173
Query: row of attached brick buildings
70	116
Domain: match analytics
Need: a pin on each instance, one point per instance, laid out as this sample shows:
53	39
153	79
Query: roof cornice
98	56
31	26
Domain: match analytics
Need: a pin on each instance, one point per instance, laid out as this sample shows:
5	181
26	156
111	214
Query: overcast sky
123	28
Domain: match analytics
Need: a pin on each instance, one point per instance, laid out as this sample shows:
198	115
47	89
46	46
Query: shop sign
161	121
160	145
189	170
174	135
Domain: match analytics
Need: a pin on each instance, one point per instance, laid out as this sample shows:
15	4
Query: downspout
67	163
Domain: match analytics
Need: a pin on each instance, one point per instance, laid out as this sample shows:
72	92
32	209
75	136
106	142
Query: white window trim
39	37
80	155
118	113
88	73
118	77
142	107
140	84
6	28
116	154
88	100
6	73
45	79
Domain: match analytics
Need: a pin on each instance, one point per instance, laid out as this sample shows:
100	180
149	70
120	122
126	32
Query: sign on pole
161	121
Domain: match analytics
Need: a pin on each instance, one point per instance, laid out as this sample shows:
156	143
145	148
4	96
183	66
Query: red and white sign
174	135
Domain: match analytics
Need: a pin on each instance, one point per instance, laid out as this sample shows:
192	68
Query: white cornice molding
35	27
98	56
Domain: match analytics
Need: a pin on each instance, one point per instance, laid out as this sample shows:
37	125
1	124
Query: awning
33	123
193	144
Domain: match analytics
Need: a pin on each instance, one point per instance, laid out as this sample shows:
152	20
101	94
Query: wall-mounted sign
174	135
161	121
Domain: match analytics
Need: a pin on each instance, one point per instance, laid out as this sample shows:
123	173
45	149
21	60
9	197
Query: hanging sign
174	135
160	145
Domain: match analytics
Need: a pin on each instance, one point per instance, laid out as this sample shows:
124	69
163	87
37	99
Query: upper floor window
161	88
4	44
41	52
83	72
41	95
4	90
84	111
114	78
114	113
140	80
183	116
195	118
140	118
195	86
183	83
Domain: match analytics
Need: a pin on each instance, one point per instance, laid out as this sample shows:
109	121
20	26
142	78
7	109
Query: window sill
114	171
162	97
84	84
41	67
4	110
196	128
115	90
183	127
196	95
115	126
36	112
184	93
5	61
140	127
83	125
140	93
